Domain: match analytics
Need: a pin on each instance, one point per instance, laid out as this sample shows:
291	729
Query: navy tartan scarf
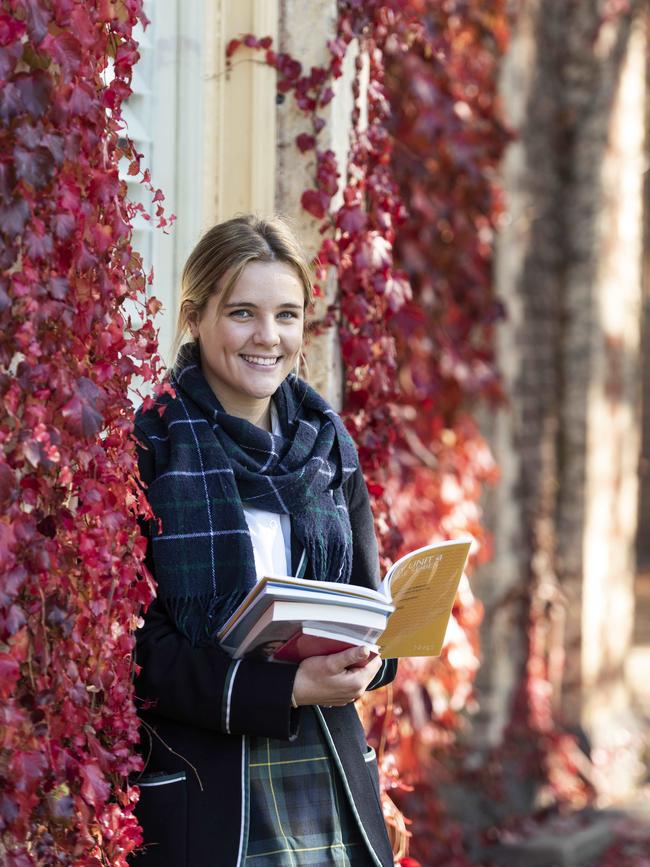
207	463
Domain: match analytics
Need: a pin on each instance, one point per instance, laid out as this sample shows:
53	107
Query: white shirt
270	531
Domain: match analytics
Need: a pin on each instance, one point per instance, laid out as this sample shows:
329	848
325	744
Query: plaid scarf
209	463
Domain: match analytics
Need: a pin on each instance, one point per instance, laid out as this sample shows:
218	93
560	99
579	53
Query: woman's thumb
358	655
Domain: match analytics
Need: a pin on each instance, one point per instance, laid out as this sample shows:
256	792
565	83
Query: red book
312	641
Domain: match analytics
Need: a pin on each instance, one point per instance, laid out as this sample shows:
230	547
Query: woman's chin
264	391
264	385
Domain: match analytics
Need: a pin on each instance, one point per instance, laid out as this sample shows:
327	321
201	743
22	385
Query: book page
268	584
423	586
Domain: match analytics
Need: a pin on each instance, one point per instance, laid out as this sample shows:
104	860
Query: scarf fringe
199	618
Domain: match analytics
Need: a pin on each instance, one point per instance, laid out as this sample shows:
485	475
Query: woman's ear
193	323
301	370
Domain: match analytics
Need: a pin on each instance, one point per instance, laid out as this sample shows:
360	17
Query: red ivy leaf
315	202
232	46
82	412
38	244
26	93
9	57
63	225
13	217
305	142
9	674
36	167
38	17
65	50
7	484
27	769
352	220
326	96
153	305
18	859
80	100
94	788
11	29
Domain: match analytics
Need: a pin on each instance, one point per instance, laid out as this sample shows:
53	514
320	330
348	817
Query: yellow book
422	586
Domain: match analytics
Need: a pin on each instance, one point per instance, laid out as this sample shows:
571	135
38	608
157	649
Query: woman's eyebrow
250	304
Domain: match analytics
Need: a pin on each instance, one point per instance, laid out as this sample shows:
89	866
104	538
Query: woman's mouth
262	360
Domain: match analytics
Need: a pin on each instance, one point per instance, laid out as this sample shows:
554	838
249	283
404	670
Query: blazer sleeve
365	555
203	686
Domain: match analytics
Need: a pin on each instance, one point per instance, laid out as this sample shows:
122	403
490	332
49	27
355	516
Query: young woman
249	472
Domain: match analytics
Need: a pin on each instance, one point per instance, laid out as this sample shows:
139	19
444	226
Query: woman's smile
262	360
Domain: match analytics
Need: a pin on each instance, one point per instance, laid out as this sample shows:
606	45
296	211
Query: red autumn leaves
70	549
410	243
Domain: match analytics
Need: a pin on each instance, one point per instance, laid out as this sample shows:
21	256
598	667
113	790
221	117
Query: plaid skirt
299	809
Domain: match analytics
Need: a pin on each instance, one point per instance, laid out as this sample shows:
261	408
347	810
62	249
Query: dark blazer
197	705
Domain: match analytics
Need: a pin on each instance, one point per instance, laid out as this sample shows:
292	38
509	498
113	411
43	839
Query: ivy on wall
412	248
412	245
70	550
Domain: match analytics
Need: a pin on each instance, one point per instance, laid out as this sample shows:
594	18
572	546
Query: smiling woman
249	472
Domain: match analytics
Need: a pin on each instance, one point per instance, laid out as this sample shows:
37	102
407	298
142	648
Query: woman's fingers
336	679
341	661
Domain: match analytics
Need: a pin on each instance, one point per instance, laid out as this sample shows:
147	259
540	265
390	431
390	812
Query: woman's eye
287	314
240	314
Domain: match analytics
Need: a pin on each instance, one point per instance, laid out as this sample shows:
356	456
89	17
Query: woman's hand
330	680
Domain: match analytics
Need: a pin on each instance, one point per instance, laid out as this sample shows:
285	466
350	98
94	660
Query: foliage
412	248
70	550
437	73
412	244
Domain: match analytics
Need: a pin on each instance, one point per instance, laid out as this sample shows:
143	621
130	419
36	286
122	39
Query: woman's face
251	344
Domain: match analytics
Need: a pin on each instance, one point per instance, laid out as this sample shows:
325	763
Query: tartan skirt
300	813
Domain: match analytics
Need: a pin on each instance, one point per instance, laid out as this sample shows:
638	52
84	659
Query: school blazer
197	705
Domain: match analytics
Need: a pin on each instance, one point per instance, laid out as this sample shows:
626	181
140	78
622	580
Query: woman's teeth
261	361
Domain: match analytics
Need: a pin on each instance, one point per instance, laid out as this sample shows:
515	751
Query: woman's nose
266	332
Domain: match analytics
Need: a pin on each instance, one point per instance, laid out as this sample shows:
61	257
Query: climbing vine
74	334
412	244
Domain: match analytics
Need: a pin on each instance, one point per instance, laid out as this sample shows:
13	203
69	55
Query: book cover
311	641
423	587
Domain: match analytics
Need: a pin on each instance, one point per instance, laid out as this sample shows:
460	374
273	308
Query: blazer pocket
162	813
370	760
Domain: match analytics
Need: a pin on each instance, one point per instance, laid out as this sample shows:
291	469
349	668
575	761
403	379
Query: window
164	117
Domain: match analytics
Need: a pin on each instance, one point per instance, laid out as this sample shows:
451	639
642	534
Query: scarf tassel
199	618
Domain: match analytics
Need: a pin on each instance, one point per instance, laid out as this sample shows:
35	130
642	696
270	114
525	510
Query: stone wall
305	28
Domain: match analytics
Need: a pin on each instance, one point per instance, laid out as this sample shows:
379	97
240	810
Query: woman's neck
255	410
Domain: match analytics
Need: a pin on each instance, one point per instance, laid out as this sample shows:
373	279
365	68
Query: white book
281	620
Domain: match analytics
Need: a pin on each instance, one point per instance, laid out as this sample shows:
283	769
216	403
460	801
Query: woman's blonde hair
229	247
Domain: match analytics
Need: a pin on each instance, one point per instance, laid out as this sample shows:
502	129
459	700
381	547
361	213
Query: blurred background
473	177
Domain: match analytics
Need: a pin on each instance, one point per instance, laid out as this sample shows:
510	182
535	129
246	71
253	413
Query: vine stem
152	731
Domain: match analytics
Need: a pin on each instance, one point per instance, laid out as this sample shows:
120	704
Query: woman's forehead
266	278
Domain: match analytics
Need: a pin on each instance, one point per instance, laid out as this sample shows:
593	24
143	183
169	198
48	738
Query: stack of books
288	619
